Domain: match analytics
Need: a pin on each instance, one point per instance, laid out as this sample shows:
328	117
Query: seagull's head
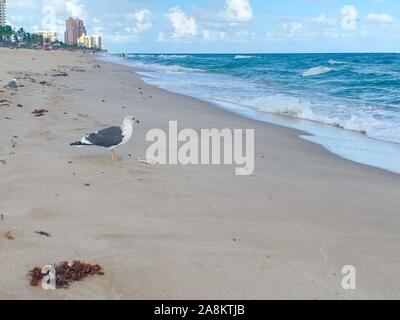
131	120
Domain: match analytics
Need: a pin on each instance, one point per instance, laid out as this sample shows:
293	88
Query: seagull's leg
114	156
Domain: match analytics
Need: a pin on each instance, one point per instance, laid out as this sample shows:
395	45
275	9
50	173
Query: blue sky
223	25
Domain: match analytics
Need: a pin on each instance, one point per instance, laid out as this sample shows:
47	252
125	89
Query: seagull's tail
79	144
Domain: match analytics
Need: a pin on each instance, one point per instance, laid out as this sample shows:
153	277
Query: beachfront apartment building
89	42
74	29
96	42
3	12
48	35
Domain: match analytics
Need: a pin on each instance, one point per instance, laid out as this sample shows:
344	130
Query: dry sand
166	232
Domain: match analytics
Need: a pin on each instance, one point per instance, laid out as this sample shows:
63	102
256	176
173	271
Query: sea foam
316	71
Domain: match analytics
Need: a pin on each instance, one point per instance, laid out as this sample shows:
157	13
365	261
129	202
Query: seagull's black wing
106	138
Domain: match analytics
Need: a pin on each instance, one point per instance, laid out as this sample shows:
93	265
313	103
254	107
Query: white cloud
75	9
323	21
292	26
184	27
349	17
58	5
141	19
380	18
238	11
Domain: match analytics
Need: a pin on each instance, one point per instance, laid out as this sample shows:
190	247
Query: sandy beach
178	232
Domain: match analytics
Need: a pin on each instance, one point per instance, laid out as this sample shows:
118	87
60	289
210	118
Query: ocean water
349	103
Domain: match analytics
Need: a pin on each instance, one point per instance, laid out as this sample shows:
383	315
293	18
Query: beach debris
9	235
3	161
20	105
39	112
97	66
147	161
7	118
87	184
42	233
45	83
11	85
66	273
76	69
60	74
13	140
1	217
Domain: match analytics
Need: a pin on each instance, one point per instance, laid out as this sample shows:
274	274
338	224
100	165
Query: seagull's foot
114	157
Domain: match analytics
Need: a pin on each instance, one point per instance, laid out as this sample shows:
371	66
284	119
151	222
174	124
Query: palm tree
6	33
21	34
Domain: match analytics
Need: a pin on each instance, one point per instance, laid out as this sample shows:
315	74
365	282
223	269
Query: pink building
74	29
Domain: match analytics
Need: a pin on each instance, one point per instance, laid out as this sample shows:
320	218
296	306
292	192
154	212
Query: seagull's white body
127	132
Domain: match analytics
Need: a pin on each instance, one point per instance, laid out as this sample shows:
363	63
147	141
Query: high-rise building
75	28
93	42
48	35
2	12
84	41
96	42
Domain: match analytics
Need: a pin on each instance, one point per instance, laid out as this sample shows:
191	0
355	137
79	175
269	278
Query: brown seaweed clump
66	273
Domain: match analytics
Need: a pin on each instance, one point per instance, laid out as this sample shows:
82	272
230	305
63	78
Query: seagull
12	84
110	138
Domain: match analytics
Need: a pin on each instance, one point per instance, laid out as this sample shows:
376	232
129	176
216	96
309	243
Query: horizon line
254	53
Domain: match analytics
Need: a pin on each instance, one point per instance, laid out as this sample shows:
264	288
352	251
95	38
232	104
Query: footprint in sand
41	213
47	134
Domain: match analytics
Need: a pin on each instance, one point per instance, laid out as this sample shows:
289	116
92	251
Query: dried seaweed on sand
66	273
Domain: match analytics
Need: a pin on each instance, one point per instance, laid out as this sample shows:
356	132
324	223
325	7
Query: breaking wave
316	71
296	108
166	68
333	62
245	57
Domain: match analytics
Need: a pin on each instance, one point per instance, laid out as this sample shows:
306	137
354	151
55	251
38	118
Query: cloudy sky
223	25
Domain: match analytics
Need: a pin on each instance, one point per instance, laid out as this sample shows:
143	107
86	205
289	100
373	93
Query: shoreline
179	232
353	145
